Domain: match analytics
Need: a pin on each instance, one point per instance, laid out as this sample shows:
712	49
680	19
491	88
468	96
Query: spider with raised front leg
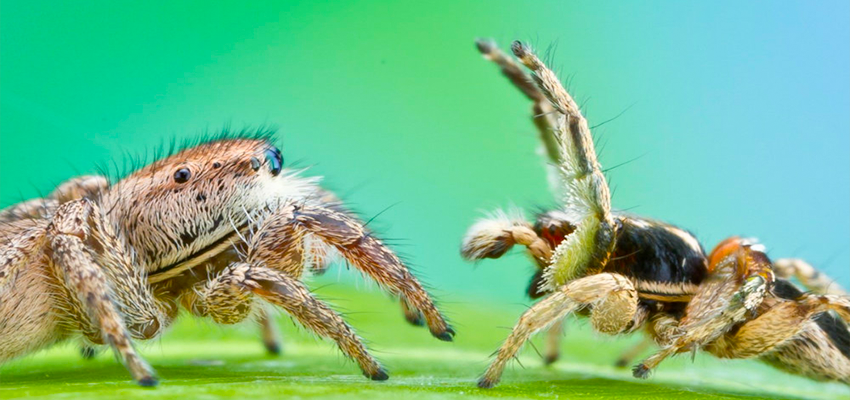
629	273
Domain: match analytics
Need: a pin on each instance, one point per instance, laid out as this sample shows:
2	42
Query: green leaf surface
197	359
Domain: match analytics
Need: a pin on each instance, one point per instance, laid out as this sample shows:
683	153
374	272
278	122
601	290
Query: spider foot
148	381
379	375
641	371
274	349
486	383
446	336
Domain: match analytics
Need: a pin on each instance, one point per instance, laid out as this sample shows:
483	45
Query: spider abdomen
666	263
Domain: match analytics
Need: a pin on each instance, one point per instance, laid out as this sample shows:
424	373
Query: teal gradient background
737	112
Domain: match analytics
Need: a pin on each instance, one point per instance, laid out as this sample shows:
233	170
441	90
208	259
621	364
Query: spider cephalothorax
630	273
207	229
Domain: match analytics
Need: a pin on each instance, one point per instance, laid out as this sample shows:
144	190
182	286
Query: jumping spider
629	273
208	229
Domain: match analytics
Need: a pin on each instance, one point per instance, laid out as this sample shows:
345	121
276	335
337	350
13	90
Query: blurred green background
737	112
734	114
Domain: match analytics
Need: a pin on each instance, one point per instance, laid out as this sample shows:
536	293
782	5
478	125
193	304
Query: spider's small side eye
182	175
275	160
255	164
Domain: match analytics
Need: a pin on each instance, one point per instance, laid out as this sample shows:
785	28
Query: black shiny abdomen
646	250
652	251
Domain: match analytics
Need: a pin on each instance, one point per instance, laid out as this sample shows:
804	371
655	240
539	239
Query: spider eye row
273	157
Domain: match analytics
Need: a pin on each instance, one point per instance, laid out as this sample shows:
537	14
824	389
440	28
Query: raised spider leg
76	268
812	279
612	293
738	280
587	197
574	173
566	135
227	299
542	112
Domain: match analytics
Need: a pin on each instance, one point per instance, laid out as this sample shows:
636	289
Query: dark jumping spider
208	229
630	273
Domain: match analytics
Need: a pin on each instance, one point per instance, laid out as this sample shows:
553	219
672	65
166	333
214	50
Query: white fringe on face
293	188
288	188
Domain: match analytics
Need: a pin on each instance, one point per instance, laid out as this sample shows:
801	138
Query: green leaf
197	359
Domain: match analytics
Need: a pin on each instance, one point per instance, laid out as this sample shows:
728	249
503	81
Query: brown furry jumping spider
210	229
631	273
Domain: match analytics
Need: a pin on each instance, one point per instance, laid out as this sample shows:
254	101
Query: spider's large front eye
182	175
275	160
